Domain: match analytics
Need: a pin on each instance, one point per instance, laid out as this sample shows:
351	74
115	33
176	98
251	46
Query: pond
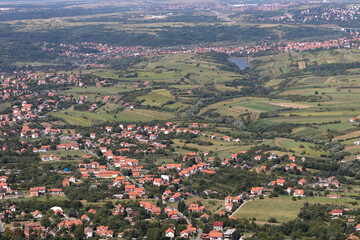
240	62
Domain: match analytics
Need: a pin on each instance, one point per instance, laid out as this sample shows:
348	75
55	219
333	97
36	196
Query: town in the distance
158	119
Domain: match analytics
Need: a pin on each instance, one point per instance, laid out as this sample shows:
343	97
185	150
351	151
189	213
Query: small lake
240	62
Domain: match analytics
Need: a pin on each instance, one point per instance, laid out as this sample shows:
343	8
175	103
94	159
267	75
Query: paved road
108	165
238	208
223	17
275	166
183	216
128	179
199	231
91	152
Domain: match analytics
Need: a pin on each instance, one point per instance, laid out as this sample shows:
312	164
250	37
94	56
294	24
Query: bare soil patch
347	136
291	105
302	65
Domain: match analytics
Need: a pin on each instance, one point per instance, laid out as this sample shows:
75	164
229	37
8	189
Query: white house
37	214
352	120
170	233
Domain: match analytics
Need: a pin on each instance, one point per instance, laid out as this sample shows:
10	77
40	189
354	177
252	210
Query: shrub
272	220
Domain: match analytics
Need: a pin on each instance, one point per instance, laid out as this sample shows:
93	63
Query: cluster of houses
186	233
134	138
38	191
296	192
343	14
26	132
66	222
219	233
103	139
114	52
185	172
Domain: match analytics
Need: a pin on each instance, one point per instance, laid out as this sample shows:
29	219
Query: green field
65	154
98	90
222	148
40	198
212	205
239	106
157	98
3	106
283	208
299	147
129	115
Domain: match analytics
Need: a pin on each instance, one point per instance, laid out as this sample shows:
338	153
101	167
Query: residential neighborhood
158	120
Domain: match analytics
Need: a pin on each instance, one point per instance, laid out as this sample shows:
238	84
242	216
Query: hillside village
109	52
208	120
110	158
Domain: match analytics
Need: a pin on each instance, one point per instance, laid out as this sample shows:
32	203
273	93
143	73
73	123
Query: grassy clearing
157	98
129	115
40	198
3	106
65	154
103	91
283	208
171	68
238	106
222	148
178	106
161	161
345	126
212	205
308	119
299	147
72	118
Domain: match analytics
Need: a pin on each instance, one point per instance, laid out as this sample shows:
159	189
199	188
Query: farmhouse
358	227
176	197
218	226
302	182
298	193
37	214
336	212
229	234
215	235
333	196
184	234
170	233
257	190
